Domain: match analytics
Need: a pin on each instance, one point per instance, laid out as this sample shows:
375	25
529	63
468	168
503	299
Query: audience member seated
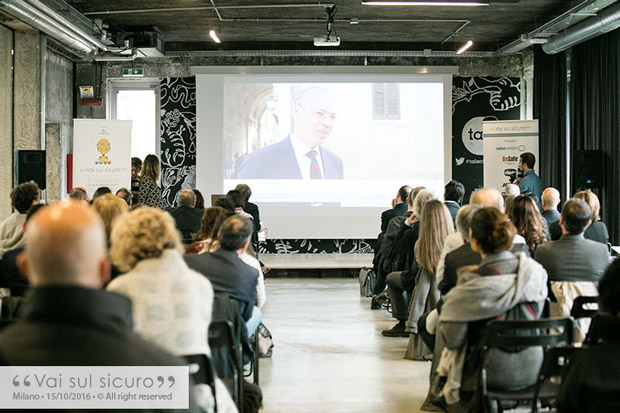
102	190
79	194
10	273
463	256
399	207
109	207
390	261
67	319
431	227
597	231
511	189
530	224
125	195
402	257
23	196
435	226
226	203
227	272
150	192
172	304
186	216
136	168
574	264
250	208
238	201
504	286
592	381
453	197
206	238
200	200
550	201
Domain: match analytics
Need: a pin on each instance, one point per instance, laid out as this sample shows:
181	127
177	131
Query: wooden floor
329	354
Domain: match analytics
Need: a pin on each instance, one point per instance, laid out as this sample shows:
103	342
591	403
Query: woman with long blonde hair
435	225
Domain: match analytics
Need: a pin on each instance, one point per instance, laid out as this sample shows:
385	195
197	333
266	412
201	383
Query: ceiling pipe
66	25
37	19
605	21
195	8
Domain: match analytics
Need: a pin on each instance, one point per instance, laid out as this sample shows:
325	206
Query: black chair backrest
582	307
553	368
226	351
530	333
201	370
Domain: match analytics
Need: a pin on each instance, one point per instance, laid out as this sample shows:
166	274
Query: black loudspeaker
30	167
588	169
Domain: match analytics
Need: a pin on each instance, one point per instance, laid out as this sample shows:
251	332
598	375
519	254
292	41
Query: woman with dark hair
150	193
529	222
206	237
200	200
592	381
505	286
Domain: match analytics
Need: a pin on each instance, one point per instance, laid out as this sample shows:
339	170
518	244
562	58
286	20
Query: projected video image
332	131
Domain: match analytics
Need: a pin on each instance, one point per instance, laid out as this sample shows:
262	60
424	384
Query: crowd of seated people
505	262
154	288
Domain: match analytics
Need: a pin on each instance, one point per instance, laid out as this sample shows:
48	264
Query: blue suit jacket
277	161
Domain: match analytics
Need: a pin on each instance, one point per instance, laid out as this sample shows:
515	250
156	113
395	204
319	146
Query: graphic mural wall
177	137
475	99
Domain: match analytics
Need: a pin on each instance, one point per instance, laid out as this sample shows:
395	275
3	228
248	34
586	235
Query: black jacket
187	220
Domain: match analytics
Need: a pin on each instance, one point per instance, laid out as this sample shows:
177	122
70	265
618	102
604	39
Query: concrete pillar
6	119
27	94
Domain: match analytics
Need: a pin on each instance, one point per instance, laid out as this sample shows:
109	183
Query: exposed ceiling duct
52	24
605	21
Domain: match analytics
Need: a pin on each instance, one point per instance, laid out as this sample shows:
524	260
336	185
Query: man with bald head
550	202
301	155
186	216
66	318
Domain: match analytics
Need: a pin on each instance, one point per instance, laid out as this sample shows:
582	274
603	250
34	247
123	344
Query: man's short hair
454	191
403	192
102	190
236	197
125	195
463	218
226	203
33	210
245	191
187	198
24	195
512	189
234	232
488	197
576	215
78	194
528	159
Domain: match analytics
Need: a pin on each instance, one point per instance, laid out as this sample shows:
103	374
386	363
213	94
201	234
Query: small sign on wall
133	72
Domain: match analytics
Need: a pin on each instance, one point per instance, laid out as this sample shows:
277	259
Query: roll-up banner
503	143
101	154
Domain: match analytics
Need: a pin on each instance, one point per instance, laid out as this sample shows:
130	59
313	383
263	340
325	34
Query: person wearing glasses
301	155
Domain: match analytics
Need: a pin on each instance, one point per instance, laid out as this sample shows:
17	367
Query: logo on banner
103	147
472	134
459	161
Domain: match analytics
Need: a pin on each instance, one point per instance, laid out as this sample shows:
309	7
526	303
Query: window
138	101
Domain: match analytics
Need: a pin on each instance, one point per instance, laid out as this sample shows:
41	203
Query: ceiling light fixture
424	3
465	47
214	36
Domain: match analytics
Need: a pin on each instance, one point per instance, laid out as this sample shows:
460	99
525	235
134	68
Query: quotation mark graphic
161	381
26	382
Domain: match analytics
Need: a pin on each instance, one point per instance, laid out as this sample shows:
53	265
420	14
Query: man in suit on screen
300	155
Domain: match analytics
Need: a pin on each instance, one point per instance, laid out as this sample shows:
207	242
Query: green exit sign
133	72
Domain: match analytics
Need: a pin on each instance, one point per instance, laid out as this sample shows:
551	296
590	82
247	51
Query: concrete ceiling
292	24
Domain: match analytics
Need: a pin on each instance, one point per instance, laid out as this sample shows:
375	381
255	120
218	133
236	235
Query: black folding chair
201	370
518	335
254	367
582	307
554	364
226	350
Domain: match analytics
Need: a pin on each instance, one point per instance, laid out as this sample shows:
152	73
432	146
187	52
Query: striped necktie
315	169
